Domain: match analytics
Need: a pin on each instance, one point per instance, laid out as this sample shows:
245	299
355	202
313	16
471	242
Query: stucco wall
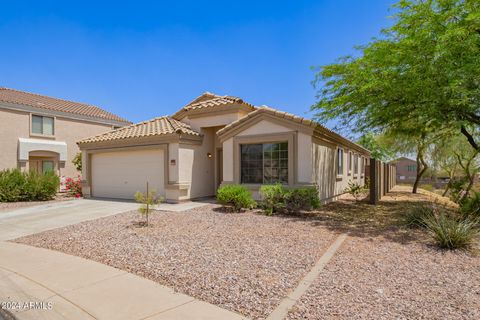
16	124
196	168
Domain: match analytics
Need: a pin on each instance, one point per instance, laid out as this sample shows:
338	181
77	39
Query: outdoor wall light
209	155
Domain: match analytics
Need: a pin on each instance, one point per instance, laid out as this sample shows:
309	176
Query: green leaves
421	76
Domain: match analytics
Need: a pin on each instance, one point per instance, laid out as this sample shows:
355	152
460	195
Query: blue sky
142	59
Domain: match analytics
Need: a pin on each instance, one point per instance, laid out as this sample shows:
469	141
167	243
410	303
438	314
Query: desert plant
235	196
77	161
12	184
148	200
470	207
355	189
450	232
415	216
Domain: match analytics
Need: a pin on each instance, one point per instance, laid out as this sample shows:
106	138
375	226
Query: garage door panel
120	174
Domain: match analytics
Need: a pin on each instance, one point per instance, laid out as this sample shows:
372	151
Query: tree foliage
421	75
378	146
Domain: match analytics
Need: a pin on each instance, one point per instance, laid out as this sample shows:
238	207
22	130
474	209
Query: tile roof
211	100
55	104
289	116
154	127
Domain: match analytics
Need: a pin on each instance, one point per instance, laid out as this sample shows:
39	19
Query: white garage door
122	173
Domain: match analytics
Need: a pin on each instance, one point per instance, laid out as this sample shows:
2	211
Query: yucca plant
452	233
416	216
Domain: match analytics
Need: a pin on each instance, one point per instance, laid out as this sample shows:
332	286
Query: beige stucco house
216	140
40	133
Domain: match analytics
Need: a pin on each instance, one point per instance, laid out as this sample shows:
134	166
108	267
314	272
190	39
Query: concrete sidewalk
77	288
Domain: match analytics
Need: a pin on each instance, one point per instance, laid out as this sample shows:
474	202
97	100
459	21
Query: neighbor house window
412	168
339	162
42	125
264	163
355	164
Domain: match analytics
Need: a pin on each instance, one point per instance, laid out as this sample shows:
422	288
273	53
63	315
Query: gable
264	126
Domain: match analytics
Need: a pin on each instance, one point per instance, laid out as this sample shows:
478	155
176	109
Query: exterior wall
330	184
16	124
208	121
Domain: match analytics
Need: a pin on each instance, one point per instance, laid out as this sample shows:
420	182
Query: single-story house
39	133
216	140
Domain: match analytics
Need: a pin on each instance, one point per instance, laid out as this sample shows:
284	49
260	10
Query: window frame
264	160
355	165
349	163
289	137
340	163
32	115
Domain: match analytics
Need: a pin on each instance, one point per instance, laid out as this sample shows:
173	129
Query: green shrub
277	199
450	232
416	216
273	198
470	207
235	196
27	186
356	190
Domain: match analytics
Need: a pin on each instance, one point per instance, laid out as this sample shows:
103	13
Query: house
406	170
39	133
216	140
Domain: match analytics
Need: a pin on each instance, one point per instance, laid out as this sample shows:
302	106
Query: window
339	162
362	166
47	166
350	162
42	125
412	168
355	164
264	163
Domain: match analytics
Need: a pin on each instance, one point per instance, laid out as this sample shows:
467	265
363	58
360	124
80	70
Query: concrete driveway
24	221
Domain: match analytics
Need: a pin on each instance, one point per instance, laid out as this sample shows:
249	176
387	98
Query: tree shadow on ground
364	220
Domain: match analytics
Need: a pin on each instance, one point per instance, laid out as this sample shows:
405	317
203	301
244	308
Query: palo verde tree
420	76
378	145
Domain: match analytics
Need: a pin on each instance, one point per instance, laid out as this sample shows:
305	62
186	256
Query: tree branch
470	138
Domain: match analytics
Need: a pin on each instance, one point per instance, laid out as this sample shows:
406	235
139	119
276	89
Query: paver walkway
82	289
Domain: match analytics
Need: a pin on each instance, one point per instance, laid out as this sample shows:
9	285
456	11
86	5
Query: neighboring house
39	133
217	140
406	170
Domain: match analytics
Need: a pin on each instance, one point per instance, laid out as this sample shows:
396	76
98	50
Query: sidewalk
82	289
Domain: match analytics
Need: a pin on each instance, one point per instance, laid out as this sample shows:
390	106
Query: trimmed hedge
277	199
235	196
16	185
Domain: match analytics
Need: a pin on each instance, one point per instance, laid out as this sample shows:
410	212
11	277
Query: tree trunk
446	189
421	168
468	188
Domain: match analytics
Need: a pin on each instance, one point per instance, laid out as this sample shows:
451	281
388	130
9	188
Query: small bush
470	207
235	196
148	201
450	232
277	199
273	198
417	215
74	187
356	190
27	186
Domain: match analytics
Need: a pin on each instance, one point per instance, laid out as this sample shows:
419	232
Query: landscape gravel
22	204
245	262
394	273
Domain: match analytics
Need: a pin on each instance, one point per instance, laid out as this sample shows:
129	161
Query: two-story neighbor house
39	133
216	140
406	170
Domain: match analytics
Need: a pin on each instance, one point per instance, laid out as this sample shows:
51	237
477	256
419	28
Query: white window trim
349	163
340	175
32	134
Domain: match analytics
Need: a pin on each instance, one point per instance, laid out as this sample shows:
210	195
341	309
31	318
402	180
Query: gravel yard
384	271
242	262
249	262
